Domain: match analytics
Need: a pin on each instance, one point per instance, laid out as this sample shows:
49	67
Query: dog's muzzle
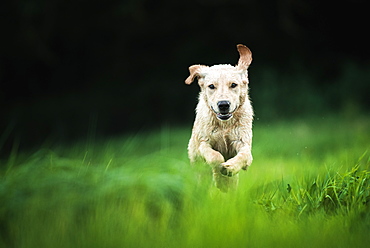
224	110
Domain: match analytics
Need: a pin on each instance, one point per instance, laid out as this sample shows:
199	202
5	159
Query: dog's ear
245	58
195	71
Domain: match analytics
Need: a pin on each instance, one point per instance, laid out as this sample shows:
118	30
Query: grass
308	187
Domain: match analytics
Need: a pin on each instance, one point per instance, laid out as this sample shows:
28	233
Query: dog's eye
211	86
233	85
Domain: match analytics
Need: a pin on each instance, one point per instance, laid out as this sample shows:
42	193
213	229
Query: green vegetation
309	186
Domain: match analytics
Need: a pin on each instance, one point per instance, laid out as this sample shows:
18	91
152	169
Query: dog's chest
223	140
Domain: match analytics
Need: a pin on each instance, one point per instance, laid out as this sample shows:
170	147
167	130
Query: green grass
309	186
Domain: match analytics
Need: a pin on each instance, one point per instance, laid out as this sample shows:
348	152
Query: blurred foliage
308	186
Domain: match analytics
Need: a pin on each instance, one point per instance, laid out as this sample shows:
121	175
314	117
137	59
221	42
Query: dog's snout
223	106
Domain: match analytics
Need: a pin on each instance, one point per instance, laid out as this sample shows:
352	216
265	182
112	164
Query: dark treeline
72	68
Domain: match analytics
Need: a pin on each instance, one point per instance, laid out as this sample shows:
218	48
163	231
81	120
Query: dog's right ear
195	72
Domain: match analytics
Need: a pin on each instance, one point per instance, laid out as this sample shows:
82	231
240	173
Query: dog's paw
215	158
224	171
229	168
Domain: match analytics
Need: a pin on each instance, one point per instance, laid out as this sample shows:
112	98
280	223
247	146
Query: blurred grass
307	187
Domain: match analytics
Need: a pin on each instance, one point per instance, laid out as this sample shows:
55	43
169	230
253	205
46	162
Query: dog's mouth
223	116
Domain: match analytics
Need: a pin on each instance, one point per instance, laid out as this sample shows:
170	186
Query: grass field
309	186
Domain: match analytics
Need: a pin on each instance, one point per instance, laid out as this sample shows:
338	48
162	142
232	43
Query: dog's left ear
245	58
195	72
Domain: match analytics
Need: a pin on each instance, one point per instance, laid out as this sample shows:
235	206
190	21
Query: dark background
70	69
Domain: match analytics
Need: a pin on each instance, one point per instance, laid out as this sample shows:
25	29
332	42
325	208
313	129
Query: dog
222	130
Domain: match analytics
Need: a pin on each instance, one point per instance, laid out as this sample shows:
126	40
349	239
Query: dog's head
224	87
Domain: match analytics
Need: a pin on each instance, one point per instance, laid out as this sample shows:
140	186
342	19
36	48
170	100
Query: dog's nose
223	106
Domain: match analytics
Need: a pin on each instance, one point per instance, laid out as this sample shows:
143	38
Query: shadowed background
72	69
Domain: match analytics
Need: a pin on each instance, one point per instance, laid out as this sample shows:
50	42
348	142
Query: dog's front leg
241	161
212	157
